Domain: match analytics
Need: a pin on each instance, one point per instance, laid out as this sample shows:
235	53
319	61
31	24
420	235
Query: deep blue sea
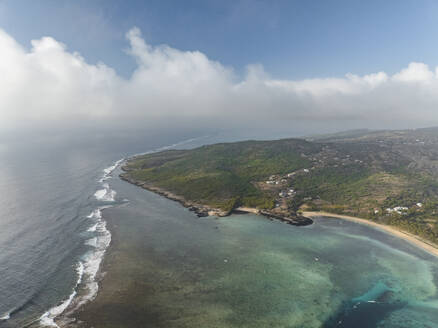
53	238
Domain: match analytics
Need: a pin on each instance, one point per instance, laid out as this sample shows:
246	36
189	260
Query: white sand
415	240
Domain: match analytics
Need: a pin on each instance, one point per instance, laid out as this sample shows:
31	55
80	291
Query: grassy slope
226	175
364	193
223	174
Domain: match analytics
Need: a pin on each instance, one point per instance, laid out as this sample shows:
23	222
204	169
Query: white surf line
106	194
48	318
107	172
6	316
88	268
93	259
168	147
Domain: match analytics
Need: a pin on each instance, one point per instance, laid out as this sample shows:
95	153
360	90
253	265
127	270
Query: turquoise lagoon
248	271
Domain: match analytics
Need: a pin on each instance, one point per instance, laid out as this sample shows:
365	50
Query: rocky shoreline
203	210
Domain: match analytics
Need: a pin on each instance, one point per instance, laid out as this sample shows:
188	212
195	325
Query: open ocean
53	238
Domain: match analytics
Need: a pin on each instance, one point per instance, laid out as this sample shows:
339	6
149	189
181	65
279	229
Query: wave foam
106	194
97	214
5	316
91	242
107	172
88	268
48	318
92	261
92	228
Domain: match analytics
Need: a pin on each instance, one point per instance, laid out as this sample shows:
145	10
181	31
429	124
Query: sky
329	65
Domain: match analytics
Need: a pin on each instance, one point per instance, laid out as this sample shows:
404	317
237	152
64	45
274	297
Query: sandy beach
167	268
415	240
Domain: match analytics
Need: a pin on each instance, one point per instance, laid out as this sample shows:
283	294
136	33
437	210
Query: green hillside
386	176
222	175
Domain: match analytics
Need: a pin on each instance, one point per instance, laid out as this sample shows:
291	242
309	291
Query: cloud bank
49	86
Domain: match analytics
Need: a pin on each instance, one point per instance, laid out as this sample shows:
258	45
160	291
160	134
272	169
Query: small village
282	185
329	157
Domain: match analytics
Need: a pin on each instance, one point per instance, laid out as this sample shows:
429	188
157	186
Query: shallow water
51	235
168	268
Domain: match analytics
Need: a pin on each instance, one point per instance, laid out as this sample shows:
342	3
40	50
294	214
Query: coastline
204	210
81	316
412	239
200	210
127	293
301	220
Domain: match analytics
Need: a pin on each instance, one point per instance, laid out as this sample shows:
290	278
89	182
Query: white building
397	209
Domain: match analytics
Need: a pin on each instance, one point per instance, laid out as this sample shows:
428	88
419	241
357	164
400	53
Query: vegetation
222	175
366	174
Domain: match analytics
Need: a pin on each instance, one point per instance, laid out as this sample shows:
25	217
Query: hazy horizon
155	83
127	199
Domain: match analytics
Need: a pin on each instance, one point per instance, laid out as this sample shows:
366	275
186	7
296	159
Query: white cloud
415	72
50	86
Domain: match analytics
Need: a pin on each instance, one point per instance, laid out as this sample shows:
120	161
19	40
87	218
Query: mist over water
242	271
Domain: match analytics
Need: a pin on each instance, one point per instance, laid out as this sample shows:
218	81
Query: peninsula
385	177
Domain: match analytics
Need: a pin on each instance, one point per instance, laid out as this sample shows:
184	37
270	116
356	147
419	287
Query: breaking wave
48	318
106	194
87	268
107	172
5	316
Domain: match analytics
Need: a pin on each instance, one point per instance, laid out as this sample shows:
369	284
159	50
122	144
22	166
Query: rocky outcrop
202	210
199	209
